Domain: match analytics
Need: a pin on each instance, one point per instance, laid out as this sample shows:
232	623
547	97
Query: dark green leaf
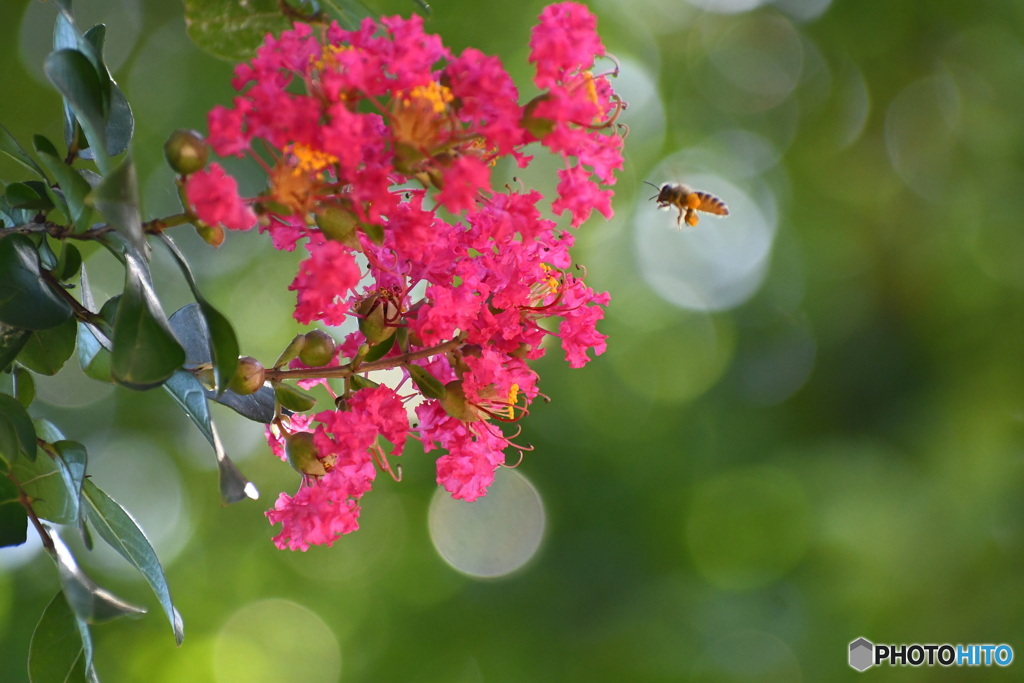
46	351
69	263
230	29
13	516
24	387
76	78
10	147
74	188
117	528
89	602
258	407
145	350
11	340
17	435
120	122
190	330
25	299
190	395
293	399
26	196
117	198
221	340
56	653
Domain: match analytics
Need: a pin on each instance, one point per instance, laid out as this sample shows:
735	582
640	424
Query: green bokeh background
736	490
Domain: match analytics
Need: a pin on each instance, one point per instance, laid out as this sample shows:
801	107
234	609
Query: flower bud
211	234
339	225
248	377
456	404
302	454
186	151
536	126
373	322
318	349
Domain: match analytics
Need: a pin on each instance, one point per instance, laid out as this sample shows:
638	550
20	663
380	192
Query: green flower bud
318	349
302	454
186	151
248	377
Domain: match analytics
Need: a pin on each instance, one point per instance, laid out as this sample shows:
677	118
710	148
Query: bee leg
691	217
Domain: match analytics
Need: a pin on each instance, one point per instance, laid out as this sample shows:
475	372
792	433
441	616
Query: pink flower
324	279
564	41
379	147
316	515
213	196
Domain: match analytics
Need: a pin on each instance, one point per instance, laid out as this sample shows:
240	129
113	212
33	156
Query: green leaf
117	198
10	147
117	528
348	13
24	387
69	263
293	399
221	340
17	435
145	350
93	352
428	385
190	395
44	483
230	29
76	79
379	350
56	653
46	351
89	602
74	188
120	122
92	357
26	300
71	461
47	431
30	195
11	340
13	516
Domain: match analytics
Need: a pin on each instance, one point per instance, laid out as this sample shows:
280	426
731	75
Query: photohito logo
865	654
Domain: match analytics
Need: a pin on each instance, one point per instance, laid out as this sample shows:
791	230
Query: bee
688	201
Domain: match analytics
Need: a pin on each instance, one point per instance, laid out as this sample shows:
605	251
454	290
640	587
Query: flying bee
688	201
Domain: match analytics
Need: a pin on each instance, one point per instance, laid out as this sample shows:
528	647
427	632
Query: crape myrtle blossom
380	148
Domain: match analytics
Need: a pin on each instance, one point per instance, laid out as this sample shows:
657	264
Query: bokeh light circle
715	266
493	536
746	528
276	640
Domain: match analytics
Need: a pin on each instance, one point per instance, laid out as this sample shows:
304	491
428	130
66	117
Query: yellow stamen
513	398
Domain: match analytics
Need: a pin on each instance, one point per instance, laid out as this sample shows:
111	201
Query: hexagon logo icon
862	653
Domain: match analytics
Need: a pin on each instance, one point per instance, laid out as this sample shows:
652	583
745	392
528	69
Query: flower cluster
380	148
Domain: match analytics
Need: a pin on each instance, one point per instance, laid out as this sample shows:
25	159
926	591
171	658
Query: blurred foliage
734	492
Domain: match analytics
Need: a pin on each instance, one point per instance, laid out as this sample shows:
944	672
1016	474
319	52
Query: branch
382	364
